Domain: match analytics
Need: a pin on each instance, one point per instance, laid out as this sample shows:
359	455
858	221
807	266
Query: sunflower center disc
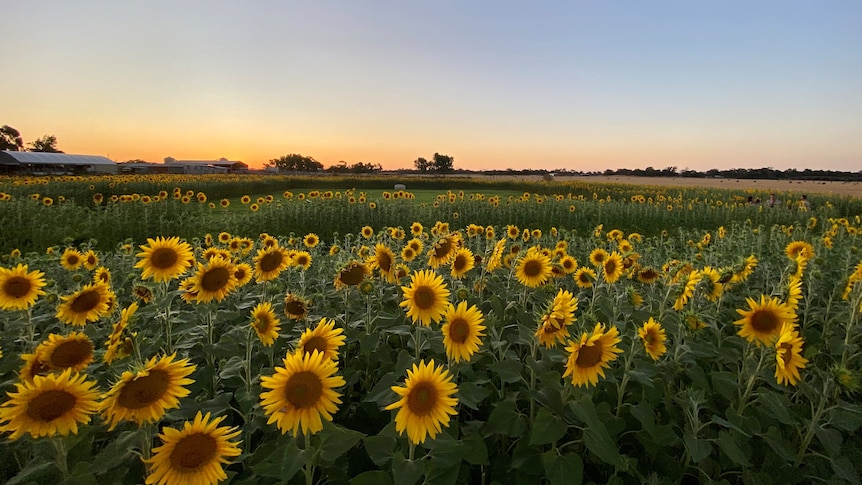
315	343
295	308
589	356
459	330
442	249
532	268
17	286
143	391
303	389
193	451
422	399
50	405
424	297
71	354
610	267
214	279
262	324
764	321
164	258
785	350
459	264
271	261
86	301
352	276
385	262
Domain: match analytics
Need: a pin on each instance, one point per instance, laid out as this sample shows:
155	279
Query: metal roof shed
40	162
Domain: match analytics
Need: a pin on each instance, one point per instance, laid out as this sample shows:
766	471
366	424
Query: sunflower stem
815	420
416	341
248	349
621	388
751	380
412	450
849	330
60	458
533	350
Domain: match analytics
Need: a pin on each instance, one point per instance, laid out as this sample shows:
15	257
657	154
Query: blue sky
578	85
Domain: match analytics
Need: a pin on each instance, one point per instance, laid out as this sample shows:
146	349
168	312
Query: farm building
222	165
40	163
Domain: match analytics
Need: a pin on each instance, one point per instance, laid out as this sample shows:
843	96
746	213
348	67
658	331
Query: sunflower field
276	330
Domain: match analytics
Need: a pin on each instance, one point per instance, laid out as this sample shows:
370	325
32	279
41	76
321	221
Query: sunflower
555	321
301	259
71	259
351	274
224	237
443	250
115	348
714	288
589	357
265	324
598	257
799	248
747	269
763	321
426	298
146	395
310	240
367	232
584	277
102	274
85	305
243	273
32	367
295	307
194	454
49	405
653	336
569	264
687	290
384	260
213	280
648	275
301	392
463	262
90	260
74	352
534	269
462	331
142	293
325	338
270	262
164	259
496	258
613	267
794	292
788	356
416	228
426	402
19	289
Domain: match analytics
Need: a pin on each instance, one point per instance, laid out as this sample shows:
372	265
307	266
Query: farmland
465	330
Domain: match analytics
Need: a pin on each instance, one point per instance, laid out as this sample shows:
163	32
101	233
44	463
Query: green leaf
477	452
527	459
728	424
283	465
567	469
374	477
508	371
547	428
595	435
406	472
379	448
643	412
698	448
472	395
830	439
445	451
729	445
845	469
779	444
382	393
336	440
36	471
847	417
776	406
117	451
82	474
506	420
725	384
232	368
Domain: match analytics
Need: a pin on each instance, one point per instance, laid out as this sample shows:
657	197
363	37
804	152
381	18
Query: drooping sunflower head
164	259
265	324
74	351
462	332
653	337
426	402
351	274
270	262
648	275
50	405
146	395
295	306
591	355
324	338
796	249
443	250
85	305
426	298
496	258
763	321
193	454
788	356
19	288
301	393
116	348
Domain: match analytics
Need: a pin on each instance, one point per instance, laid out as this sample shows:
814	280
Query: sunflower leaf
506	420
373	477
406	472
596	436
471	394
567	469
337	440
547	429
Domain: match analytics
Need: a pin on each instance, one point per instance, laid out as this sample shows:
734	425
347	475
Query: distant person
771	201
750	200
757	201
803	202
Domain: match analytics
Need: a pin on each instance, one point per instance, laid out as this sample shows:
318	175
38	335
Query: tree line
11	139
296	162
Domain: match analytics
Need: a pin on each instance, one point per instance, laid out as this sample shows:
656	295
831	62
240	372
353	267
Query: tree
443	163
10	139
296	163
46	144
422	165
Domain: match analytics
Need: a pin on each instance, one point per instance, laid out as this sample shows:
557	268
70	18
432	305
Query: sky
578	85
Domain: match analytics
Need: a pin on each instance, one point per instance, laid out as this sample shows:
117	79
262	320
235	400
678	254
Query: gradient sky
582	85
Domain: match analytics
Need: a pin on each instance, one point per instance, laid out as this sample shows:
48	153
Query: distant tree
422	165
46	144
296	163
10	139
442	163
136	160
